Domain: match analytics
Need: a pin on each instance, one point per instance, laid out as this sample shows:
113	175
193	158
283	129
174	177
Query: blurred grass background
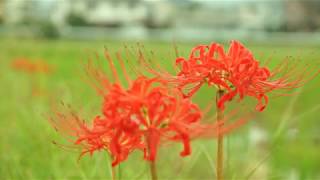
283	142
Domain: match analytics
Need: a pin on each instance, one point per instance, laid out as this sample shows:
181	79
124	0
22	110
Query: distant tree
76	20
48	30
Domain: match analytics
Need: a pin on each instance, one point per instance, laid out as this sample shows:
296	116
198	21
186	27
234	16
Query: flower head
237	72
150	111
141	116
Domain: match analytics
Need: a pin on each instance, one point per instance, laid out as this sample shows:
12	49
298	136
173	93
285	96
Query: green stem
153	170
113	169
119	172
219	165
113	173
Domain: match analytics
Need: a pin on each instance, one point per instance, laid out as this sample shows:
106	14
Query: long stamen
124	69
112	67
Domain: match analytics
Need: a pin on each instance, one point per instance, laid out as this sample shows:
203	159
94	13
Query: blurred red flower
29	66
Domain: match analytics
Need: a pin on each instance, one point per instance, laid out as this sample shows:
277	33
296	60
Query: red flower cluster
236	71
149	113
141	117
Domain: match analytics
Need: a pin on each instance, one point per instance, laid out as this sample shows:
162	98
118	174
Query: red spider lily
237	72
140	117
26	65
95	138
150	111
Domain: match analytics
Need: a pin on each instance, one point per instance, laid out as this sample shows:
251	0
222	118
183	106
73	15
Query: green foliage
76	20
49	30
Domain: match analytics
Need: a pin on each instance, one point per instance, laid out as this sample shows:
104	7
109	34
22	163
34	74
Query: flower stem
153	170
113	173
152	163
219	164
113	169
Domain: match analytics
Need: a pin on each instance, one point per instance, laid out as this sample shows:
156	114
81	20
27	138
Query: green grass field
281	142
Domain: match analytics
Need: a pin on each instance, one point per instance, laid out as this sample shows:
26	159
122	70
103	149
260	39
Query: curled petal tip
185	153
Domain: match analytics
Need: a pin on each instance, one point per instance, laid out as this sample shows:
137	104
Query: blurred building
250	15
302	15
147	17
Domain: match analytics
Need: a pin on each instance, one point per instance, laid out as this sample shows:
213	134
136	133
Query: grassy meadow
282	142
